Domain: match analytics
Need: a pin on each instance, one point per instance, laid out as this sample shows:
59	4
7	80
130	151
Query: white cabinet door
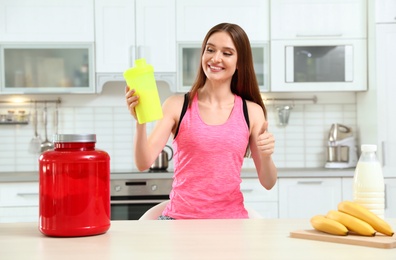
115	35
306	197
258	198
347	188
195	18
127	30
291	19
156	33
386	93
385	11
390	197
47	21
19	202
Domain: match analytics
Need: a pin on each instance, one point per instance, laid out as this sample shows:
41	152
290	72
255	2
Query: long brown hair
244	82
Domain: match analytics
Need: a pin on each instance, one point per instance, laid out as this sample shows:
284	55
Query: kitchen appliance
131	198
162	161
74	187
318	65
341	149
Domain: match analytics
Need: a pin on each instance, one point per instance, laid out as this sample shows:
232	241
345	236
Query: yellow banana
351	223
366	215
321	223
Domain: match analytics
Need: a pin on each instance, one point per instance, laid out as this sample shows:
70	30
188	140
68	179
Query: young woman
212	137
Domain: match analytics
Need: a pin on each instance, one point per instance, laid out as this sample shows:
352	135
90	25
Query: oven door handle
135	201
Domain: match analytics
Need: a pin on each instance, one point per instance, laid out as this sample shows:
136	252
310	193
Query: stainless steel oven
131	198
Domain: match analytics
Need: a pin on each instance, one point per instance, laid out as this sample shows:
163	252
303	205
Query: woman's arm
147	147
262	144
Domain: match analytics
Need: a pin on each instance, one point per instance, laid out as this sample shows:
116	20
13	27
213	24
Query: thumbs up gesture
265	141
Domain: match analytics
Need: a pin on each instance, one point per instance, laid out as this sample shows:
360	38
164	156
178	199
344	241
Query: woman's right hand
132	101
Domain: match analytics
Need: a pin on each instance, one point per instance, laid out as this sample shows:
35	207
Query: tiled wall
302	143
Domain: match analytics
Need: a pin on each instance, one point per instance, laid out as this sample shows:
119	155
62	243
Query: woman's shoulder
174	103
255	111
174	99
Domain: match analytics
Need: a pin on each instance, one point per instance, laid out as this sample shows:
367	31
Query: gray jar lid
74	138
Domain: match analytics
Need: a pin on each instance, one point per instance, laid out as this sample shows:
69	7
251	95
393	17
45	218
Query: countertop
246	173
183	239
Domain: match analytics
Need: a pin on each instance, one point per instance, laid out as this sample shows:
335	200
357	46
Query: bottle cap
74	138
369	148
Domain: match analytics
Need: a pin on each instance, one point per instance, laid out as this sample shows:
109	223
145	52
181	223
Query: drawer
19	214
19	194
253	191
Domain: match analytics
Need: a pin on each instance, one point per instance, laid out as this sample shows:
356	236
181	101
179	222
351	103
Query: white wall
300	144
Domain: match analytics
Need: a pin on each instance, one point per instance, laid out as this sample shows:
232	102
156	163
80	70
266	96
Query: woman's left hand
265	141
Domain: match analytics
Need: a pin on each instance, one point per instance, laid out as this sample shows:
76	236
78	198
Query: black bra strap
245	113
184	109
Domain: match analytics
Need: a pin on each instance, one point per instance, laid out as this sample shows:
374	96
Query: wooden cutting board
378	241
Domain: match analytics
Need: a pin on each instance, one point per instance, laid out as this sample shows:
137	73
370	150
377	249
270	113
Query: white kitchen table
183	239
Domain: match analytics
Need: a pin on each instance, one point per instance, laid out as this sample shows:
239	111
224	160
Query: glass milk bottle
368	182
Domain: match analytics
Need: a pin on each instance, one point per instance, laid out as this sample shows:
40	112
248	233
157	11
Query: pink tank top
207	166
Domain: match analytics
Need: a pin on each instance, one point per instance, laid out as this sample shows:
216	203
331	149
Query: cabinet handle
140	52
247	190
386	195
27	194
132	55
319	35
383	154
310	182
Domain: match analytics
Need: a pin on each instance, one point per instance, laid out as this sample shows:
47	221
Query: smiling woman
224	108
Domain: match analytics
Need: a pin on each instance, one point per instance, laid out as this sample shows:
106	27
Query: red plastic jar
74	187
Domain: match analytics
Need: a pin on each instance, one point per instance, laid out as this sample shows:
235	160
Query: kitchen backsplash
300	144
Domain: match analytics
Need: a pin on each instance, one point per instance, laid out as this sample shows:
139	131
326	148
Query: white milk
368	185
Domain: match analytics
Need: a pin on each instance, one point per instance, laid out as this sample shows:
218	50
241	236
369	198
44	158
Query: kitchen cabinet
19	202
318	19
385	11
46	21
257	197
46	68
306	197
383	116
195	18
128	30
347	188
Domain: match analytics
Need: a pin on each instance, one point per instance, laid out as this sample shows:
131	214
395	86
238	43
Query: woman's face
219	59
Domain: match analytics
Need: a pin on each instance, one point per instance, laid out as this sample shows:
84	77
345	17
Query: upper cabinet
251	15
302	19
46	21
127	30
386	93
385	11
46	68
318	45
195	18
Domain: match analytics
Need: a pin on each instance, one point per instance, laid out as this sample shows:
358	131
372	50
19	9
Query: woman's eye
227	54
209	50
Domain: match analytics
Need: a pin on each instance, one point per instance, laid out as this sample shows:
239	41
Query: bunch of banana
351	223
351	217
321	223
366	215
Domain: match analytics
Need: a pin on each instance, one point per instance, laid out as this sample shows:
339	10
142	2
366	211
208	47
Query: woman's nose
216	57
